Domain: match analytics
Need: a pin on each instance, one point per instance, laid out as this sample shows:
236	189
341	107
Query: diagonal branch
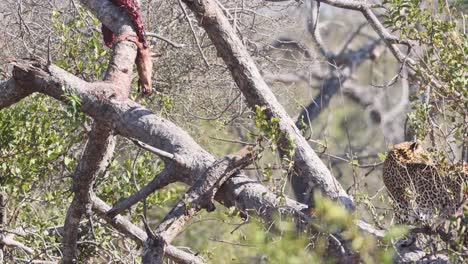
332	85
101	142
138	235
199	196
257	93
161	180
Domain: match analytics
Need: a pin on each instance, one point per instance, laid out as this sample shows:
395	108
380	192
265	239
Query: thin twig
193	32
168	41
158	152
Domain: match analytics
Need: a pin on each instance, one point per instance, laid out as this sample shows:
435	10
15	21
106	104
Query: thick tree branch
257	93
119	71
131	120
101	142
12	93
96	156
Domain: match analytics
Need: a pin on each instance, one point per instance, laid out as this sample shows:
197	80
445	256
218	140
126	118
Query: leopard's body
421	190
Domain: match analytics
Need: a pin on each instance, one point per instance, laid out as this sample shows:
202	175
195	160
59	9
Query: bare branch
168	41
9	241
159	181
161	153
193	33
332	85
257	93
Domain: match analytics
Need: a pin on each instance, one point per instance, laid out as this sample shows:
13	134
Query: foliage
36	160
437	27
269	128
441	102
279	241
81	50
41	141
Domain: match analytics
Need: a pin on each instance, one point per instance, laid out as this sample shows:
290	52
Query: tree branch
159	181
332	85
96	156
101	142
257	93
199	196
12	93
9	241
138	235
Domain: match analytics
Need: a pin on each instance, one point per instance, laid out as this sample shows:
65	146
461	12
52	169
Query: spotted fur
420	189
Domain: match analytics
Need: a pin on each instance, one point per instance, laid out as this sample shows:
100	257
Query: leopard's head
410	151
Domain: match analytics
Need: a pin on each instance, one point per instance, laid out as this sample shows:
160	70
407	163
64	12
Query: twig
232	141
159	181
163	154
218	115
231	243
193	32
168	41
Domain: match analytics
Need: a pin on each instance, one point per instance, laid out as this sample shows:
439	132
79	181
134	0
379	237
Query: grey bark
10	94
257	93
101	141
96	157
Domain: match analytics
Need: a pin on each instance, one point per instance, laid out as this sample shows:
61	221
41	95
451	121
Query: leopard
421	190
